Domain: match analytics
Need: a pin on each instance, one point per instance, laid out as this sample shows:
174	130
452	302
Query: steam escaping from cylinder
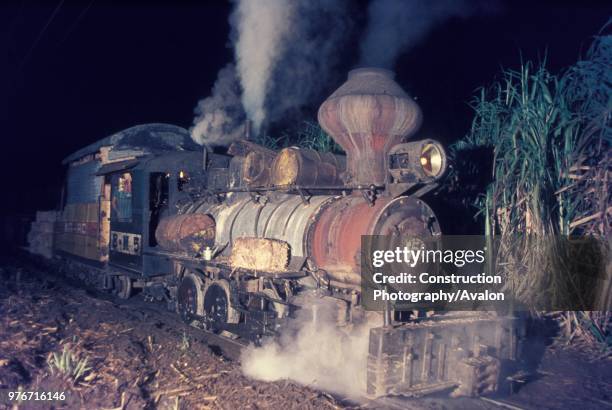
314	352
395	26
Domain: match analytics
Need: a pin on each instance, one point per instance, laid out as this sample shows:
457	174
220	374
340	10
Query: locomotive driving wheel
189	298
216	307
122	286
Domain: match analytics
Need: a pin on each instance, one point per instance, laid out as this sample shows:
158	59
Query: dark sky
98	68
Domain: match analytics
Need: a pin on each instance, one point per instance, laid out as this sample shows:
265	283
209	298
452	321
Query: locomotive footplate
468	352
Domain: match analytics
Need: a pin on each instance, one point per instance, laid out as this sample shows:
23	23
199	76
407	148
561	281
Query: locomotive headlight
432	160
413	162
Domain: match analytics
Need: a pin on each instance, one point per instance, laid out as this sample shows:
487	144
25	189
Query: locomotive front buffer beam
468	356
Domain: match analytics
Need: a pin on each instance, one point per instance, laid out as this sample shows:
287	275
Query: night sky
98	68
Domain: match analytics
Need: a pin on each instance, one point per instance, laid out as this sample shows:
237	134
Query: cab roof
142	140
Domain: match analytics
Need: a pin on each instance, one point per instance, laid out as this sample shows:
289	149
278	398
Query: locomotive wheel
189	298
122	286
216	306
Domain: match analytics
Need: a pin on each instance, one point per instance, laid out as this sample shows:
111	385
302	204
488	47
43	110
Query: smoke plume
262	29
219	119
395	26
310	62
315	353
286	53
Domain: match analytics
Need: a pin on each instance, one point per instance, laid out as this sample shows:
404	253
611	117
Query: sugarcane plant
312	136
308	135
550	136
68	364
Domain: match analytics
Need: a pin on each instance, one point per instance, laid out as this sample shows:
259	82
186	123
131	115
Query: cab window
122	197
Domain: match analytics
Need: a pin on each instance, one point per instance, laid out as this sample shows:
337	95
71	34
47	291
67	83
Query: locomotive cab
152	188
117	191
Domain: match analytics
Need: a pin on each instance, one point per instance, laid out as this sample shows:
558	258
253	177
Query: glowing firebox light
183	178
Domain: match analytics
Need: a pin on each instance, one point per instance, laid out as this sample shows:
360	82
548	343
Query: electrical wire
42	32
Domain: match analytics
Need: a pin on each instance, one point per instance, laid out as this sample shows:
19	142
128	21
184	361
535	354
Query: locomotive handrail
296	188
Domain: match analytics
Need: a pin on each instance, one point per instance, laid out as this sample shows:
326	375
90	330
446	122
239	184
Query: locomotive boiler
238	243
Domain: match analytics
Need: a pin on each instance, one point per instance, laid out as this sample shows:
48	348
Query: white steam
395	26
262	28
219	118
285	52
320	355
309	63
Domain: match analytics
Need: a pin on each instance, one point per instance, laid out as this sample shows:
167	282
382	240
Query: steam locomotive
237	243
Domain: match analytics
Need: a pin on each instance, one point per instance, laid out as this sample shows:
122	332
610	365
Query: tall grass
308	135
550	136
312	136
268	141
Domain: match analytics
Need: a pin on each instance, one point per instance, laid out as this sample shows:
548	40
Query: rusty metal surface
235	178
256	168
242	147
285	218
190	233
366	116
300	166
461	351
328	229
335	237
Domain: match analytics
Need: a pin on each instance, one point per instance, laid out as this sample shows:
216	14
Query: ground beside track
142	356
139	357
